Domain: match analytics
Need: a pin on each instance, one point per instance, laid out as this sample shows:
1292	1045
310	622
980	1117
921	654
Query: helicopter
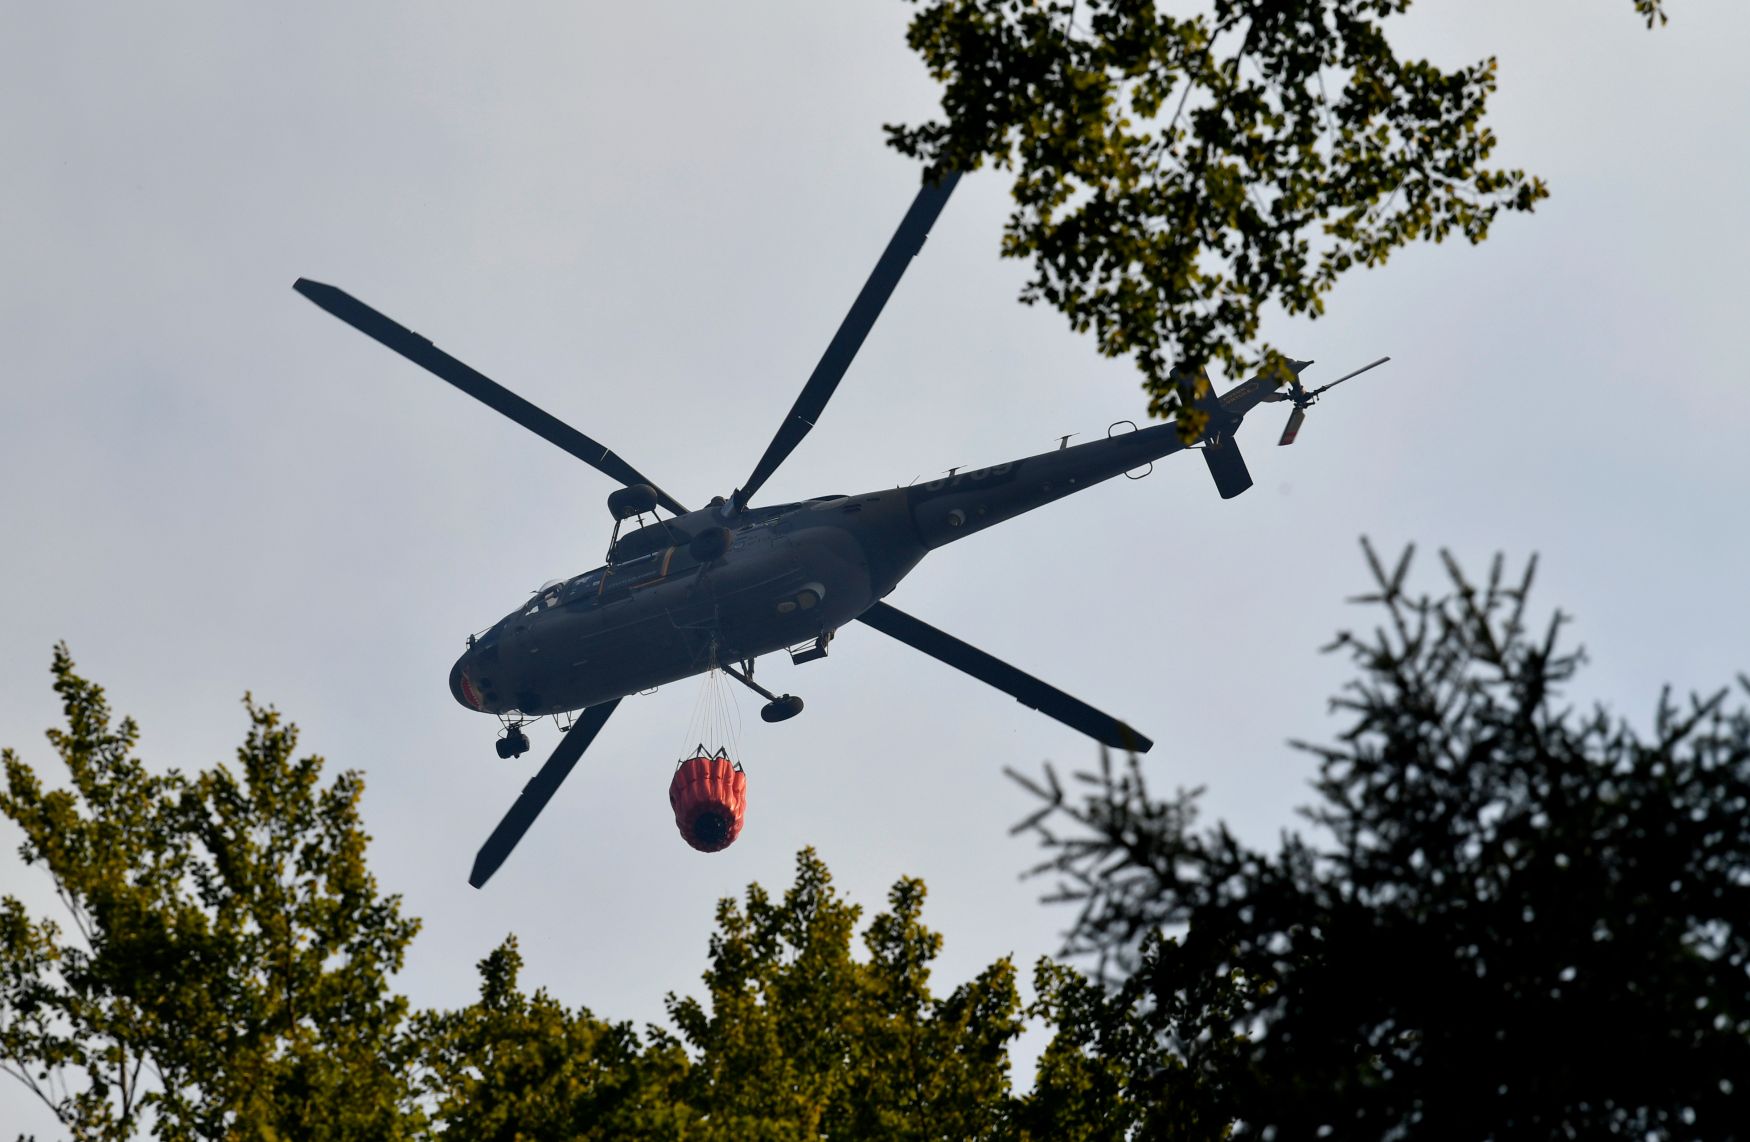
719	586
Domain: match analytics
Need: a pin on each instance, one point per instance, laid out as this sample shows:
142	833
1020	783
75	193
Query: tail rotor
1304	399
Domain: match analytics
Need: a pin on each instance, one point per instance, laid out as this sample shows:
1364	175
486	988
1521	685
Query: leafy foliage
1527	921
798	1039
228	968
1175	174
1121	1065
802	1040
515	1066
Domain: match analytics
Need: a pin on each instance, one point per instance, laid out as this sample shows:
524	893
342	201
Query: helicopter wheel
513	744
781	709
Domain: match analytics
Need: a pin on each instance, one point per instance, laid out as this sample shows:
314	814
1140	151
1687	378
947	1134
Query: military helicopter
722	585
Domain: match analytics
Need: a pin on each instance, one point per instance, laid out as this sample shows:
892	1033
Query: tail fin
1220	450
1227	467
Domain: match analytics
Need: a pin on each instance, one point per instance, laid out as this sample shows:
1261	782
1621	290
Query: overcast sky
648	219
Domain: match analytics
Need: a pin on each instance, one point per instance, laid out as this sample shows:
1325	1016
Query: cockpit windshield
547	596
553	593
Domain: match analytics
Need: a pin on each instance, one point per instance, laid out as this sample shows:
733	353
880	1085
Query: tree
797	1039
514	1066
1118	1067
227	969
227	975
1174	174
1512	919
802	1040
1515	919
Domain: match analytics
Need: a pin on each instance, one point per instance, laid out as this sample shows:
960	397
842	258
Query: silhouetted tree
1512	919
1175	173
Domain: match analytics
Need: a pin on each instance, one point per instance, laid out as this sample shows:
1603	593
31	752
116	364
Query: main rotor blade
1346	376
482	388
538	792
905	243
1024	688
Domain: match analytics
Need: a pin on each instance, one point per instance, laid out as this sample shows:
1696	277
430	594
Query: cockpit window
551	594
588	589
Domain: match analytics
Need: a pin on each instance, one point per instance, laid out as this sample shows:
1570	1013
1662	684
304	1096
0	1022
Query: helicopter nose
462	686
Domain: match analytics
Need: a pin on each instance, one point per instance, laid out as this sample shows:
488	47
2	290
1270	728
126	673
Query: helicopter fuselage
728	583
792	575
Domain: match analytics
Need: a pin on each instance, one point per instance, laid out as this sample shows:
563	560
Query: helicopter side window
583	589
636	573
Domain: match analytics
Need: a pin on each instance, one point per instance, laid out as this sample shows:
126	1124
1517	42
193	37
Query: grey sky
648	220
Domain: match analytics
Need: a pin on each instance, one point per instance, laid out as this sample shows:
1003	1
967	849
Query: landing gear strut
778	708
514	743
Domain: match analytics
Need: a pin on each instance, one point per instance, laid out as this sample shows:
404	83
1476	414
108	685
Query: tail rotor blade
538	792
1293	429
